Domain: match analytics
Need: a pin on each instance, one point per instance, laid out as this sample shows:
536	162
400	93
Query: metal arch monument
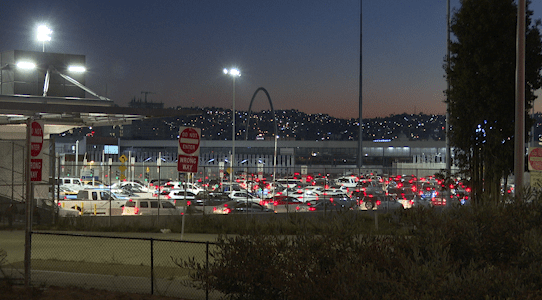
250	111
274	122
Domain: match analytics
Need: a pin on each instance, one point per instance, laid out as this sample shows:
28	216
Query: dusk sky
304	53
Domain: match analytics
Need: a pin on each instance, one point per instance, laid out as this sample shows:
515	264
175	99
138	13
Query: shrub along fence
470	252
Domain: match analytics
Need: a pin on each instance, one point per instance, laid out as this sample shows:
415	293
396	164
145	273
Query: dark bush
472	252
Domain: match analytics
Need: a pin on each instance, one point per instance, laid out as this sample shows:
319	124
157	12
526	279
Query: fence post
207	270
152	266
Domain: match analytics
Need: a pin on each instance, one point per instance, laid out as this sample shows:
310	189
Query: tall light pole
519	139
234	73
44	35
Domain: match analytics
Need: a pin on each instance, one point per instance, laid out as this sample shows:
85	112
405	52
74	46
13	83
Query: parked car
208	199
289	182
326	205
177	194
341	198
380	202
283	204
72	183
418	201
150	207
131	186
306	195
234	206
243	196
406	199
92	183
66	192
347	181
156	183
179	185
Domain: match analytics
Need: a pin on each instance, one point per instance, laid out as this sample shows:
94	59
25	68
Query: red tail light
136	210
227	210
312	208
378	202
188	203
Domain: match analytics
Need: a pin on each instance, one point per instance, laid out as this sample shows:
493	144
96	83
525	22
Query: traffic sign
187	163
36	138
189	139
36	165
36	145
188	149
535	159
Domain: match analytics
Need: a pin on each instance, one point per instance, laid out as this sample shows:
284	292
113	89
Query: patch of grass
105	268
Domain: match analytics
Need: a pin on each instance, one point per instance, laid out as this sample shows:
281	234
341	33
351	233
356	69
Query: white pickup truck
95	202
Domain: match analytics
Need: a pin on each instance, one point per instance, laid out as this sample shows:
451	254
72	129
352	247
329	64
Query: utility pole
360	103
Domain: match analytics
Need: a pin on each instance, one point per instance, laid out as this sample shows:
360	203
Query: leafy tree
482	88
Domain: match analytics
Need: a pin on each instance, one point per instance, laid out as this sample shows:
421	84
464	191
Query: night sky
305	53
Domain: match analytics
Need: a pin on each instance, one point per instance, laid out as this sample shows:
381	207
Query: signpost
188	157
34	159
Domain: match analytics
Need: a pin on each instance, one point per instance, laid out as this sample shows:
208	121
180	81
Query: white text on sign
187	163
37	131
35	169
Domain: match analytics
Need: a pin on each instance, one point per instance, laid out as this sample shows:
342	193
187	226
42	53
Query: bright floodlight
78	69
26	65
232	72
44	33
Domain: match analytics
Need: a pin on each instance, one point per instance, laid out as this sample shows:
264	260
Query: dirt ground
8	292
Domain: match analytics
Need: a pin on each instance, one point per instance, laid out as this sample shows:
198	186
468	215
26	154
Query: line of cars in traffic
367	192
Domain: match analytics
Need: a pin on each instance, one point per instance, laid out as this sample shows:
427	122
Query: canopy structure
51	87
60	114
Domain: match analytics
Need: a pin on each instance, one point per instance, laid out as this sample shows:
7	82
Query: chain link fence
118	263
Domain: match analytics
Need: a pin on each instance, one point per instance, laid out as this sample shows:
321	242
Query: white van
94	202
138	207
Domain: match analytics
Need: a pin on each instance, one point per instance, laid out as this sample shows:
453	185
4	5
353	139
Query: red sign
35	169
535	159
36	138
187	163
189	141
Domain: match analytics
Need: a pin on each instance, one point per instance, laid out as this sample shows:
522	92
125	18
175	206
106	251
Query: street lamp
44	35
234	73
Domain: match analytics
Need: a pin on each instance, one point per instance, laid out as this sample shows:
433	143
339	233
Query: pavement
141	285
